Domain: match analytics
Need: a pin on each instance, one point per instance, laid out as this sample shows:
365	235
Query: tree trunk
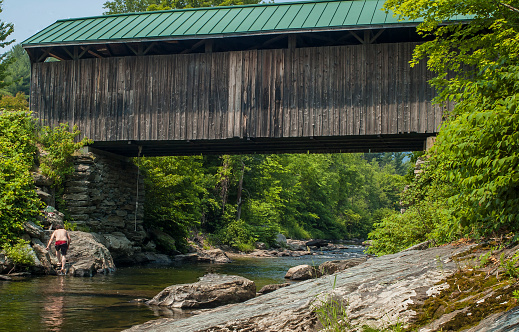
240	186
224	182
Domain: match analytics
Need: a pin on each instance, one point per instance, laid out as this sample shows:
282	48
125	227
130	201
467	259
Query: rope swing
137	196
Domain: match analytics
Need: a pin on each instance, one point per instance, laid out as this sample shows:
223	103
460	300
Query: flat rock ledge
210	291
378	292
273	287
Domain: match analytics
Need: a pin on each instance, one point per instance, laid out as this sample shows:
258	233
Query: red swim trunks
61	246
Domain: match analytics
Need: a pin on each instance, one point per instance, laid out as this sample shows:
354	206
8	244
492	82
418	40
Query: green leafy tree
326	196
18	199
242	199
398	160
18	72
127	6
5	30
19	141
14	103
59	145
180	4
476	154
174	193
130	6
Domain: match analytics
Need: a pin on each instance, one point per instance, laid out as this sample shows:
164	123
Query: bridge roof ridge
274	4
218	22
187	23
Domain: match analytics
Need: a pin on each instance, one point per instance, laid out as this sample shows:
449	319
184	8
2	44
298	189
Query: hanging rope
138	174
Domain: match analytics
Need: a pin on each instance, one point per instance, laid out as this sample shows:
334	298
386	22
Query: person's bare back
61	235
62	238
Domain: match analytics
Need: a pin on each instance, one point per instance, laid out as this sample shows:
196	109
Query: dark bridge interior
339	144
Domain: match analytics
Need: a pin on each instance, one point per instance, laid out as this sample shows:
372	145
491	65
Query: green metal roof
216	21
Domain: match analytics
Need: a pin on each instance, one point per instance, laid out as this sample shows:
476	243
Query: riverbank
297	248
106	303
450	287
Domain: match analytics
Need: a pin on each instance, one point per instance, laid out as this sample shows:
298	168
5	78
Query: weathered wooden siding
302	92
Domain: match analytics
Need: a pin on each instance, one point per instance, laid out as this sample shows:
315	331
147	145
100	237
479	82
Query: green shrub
18	150
238	234
20	254
510	265
332	315
429	215
59	145
16	103
18	199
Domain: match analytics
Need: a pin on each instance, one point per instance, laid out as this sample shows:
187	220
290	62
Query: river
105	302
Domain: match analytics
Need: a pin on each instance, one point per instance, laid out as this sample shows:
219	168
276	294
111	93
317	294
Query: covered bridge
318	76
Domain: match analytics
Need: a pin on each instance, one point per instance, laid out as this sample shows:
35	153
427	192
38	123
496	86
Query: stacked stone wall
101	195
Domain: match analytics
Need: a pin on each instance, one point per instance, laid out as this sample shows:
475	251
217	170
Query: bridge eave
341	144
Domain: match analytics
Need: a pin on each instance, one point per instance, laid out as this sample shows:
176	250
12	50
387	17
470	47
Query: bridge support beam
429	142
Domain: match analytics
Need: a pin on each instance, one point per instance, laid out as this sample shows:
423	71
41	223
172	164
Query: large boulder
281	240
210	291
302	272
43	261
331	267
298	245
152	258
117	243
33	230
319	243
87	256
214	256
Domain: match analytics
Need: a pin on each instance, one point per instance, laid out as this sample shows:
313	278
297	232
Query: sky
31	16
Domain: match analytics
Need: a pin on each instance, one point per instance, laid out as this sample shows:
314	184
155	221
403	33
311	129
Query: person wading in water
62	239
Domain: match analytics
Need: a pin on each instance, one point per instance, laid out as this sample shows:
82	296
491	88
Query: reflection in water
106	303
53	310
162	311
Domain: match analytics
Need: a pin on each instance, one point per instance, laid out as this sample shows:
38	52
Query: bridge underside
337	144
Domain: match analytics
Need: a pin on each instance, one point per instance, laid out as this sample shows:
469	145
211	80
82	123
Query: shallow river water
105	303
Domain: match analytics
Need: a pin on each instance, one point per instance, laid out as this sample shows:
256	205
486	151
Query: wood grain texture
302	92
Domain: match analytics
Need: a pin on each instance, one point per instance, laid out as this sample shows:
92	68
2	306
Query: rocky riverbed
399	289
449	288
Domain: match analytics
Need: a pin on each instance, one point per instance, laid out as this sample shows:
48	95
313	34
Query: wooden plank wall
302	92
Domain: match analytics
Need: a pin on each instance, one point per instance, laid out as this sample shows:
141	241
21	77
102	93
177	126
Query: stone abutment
102	193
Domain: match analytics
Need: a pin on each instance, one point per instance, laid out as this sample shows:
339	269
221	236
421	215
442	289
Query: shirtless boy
62	243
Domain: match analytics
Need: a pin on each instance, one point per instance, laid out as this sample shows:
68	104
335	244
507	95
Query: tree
180	4
127	6
473	170
18	72
5	30
130	6
174	189
398	160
